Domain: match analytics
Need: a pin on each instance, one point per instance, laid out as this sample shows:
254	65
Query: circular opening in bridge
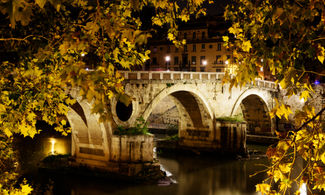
123	112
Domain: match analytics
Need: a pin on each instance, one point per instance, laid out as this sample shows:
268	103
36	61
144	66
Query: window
193	61
219	47
210	46
203	35
218	70
203	46
176	49
194	48
154	49
201	59
185	35
161	48
185	47
194	35
176	60
228	57
168	49
218	59
154	60
202	69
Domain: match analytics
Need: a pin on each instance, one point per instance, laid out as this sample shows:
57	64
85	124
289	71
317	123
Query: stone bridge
201	99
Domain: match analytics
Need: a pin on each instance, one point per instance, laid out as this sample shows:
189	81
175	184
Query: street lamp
167	58
204	62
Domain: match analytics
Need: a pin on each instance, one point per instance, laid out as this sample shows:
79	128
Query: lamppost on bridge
167	58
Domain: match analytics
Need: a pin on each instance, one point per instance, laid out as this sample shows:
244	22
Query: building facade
204	50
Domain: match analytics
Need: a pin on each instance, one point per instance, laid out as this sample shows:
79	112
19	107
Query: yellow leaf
26	189
63	122
283	145
278	175
263	188
225	38
7	132
31	116
285	168
2	108
246	46
321	58
321	54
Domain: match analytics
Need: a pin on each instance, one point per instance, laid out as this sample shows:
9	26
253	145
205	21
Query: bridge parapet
178	75
171	75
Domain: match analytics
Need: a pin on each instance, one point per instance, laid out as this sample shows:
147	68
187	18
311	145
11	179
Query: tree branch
307	122
22	39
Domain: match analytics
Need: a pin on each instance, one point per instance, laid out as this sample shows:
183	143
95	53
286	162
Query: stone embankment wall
135	148
226	137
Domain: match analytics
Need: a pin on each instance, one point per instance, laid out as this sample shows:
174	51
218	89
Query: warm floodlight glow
167	58
52	140
303	189
204	62
261	69
262	60
302	100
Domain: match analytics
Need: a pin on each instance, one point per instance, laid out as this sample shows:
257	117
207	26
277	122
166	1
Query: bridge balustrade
177	75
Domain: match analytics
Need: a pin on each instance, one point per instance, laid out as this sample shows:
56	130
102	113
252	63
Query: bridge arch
180	91
255	109
89	139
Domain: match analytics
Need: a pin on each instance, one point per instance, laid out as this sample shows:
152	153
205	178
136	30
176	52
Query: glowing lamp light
52	141
167	58
302	100
262	60
317	82
83	54
261	69
204	62
303	189
227	62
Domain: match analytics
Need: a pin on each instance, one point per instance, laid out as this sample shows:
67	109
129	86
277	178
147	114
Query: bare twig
22	39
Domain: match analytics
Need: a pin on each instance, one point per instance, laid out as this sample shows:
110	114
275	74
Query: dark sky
216	8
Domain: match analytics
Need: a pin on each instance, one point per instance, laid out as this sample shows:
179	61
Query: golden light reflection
54	146
52	141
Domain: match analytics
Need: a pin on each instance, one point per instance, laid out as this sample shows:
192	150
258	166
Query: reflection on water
193	175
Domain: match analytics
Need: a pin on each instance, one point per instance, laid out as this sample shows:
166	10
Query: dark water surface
194	175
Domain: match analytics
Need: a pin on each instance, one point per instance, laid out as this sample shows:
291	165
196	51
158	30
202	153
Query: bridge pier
94	144
226	137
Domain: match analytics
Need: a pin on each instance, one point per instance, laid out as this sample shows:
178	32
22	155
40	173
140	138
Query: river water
193	175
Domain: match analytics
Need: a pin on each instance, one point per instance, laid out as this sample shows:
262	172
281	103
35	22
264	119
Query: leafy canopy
50	47
288	39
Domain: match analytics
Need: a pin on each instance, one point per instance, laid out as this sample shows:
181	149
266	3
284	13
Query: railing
177	75
171	75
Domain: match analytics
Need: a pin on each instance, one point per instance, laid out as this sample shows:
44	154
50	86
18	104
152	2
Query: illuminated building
204	50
